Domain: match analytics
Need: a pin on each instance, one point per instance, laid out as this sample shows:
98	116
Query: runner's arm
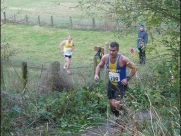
132	66
73	46
61	46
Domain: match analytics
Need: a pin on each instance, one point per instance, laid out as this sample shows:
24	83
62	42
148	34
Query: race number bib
114	77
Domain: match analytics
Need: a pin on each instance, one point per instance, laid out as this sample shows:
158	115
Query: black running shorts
69	56
115	91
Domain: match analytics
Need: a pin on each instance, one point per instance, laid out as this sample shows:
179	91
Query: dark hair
141	25
114	44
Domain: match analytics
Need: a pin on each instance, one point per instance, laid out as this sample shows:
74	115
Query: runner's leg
68	61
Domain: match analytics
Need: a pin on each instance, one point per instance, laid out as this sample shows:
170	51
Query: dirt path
128	124
105	129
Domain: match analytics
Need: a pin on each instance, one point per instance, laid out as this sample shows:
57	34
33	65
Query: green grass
41	44
58	8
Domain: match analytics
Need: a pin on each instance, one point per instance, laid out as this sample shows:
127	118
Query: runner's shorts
115	91
69	56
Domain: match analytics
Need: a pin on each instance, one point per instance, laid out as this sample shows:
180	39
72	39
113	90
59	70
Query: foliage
164	111
71	111
7	51
160	97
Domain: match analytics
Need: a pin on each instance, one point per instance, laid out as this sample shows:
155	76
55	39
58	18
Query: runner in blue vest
116	65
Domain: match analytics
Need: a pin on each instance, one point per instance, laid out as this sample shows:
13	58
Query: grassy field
57	8
61	11
41	45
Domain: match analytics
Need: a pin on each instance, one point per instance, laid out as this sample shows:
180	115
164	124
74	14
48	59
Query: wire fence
66	22
84	75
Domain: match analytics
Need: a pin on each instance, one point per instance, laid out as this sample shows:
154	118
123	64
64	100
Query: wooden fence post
117	24
52	21
4	16
71	23
106	50
39	20
97	57
2	77
93	23
24	74
26	17
96	62
106	22
14	18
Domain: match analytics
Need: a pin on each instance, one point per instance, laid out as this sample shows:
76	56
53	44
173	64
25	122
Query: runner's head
141	27
113	49
69	37
114	44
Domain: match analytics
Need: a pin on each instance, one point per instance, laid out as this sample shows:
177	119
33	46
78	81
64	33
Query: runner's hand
96	77
124	81
142	47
